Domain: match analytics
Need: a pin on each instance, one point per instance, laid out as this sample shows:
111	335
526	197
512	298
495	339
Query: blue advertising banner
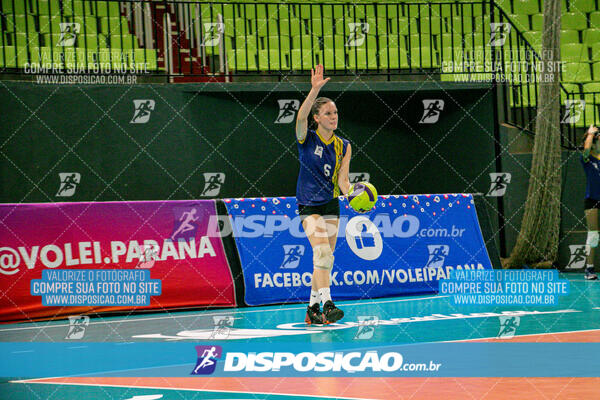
403	246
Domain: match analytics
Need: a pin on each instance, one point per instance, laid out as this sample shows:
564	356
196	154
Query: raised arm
317	82
589	140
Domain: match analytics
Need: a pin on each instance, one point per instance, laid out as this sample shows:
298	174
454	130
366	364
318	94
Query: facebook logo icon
207	359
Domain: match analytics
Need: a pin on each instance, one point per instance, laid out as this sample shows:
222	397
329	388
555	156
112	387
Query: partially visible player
591	164
324	166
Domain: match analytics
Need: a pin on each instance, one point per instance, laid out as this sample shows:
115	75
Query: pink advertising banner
61	259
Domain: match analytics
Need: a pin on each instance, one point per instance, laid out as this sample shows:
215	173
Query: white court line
508	339
190	389
243	311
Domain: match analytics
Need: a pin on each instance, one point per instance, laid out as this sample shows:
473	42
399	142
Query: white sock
325	294
315	298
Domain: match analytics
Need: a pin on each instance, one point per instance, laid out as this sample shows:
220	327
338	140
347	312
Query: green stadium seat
289	27
591	37
334	60
338	42
123	41
361	59
13	6
24	39
87	24
569	36
450	40
461	25
145	58
397	58
114	25
574	52
48	7
277	11
309	11
521	22
245	11
576	72
68	8
391	41
581	6
430	25
595	20
238	60
107	9
269	60
595	51
305	42
402	26
235	27
387	10
378	26
326	26
20	23
333	11
249	43
265	27
576	21
275	43
596	71
454	57
83	8
424	39
590	116
444	10
537	23
505	6
422	57
23	56
7	57
526	7
49	24
569	88
302	60
476	10
534	38
592	87
90	41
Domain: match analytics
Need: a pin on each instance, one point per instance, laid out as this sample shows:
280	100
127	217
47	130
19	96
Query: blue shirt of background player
320	163
591	165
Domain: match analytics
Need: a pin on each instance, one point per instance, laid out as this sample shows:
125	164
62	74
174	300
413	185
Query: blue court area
413	319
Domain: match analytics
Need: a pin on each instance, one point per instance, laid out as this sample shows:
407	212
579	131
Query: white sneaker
590	276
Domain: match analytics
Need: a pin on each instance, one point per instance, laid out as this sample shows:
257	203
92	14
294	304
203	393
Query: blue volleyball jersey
320	162
592	173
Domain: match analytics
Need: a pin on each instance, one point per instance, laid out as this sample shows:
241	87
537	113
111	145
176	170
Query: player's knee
323	256
592	238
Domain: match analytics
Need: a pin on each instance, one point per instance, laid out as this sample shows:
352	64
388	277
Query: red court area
370	388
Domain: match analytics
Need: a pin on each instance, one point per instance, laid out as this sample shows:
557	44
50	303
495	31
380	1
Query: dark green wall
197	128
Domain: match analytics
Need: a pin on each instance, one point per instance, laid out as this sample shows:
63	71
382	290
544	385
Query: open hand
316	77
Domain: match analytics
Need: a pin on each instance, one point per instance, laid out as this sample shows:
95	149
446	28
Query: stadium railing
454	41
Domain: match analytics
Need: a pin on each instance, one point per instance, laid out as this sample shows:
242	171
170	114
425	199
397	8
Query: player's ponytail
319	102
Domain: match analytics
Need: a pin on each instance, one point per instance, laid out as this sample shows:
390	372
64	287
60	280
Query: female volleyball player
591	165
324	165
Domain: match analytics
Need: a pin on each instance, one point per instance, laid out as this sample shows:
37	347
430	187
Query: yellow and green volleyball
362	197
